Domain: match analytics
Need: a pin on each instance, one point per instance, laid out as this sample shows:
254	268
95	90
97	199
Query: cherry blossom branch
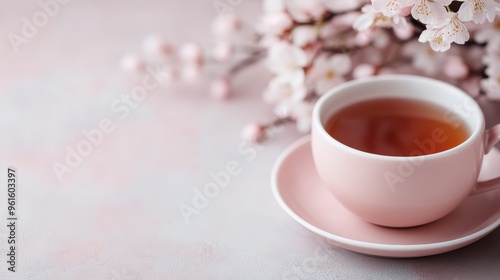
258	133
312	46
342	49
279	122
253	57
325	18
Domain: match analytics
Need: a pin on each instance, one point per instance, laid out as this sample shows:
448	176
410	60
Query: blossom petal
364	21
341	63
425	36
427	12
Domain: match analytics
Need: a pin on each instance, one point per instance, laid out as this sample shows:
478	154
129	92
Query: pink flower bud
304	35
221	88
363	70
223	51
155	45
362	39
192	54
456	68
132	63
225	25
254	133
276	23
404	31
169	76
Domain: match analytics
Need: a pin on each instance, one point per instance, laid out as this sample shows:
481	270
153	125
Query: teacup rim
316	119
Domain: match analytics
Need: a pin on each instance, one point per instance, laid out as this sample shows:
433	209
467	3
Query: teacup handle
491	138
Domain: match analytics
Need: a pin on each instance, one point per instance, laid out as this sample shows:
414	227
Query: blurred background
116	214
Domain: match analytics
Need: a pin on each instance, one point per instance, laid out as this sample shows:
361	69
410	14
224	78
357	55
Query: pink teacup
426	187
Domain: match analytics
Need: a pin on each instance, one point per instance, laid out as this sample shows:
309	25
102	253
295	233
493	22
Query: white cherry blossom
302	114
427	11
273	6
287	61
389	8
364	70
342	5
329	72
491	87
281	90
489	33
477	10
441	35
306	10
284	94
403	30
275	23
424	58
371	17
304	35
492	62
310	46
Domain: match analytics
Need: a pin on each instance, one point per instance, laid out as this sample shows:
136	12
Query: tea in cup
400	150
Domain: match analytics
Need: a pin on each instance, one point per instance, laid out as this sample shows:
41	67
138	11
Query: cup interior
449	97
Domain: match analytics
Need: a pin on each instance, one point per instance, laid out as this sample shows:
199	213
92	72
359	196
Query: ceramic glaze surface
302	194
399	191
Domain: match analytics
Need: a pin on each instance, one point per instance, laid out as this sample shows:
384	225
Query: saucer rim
358	243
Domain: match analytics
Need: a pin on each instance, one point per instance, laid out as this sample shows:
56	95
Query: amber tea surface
397	127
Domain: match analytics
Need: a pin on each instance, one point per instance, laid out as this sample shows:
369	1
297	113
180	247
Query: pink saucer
300	192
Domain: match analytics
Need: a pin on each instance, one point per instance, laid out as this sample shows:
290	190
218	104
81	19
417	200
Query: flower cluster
311	46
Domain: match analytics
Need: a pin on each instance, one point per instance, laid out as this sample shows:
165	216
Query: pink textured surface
116	216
